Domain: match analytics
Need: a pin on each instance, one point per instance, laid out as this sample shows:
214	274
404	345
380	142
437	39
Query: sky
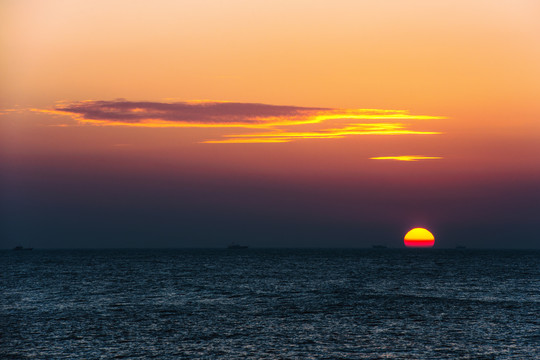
269	123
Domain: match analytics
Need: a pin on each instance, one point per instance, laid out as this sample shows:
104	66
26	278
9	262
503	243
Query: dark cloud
188	112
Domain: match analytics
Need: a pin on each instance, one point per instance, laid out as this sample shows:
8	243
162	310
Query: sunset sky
269	123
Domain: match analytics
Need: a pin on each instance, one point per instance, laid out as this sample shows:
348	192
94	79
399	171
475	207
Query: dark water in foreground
270	304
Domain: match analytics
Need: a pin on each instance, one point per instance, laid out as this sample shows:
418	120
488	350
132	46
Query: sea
270	304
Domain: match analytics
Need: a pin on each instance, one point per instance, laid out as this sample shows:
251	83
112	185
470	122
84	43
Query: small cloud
407	158
16	110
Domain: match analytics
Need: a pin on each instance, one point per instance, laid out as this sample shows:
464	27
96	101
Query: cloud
334	133
407	158
273	122
121	112
12	111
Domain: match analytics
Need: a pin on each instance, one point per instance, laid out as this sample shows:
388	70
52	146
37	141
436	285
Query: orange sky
415	55
463	76
475	63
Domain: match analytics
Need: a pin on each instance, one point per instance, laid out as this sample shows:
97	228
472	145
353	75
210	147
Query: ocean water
270	304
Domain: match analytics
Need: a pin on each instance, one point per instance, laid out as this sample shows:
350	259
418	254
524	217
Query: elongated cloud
195	112
407	158
272	121
335	133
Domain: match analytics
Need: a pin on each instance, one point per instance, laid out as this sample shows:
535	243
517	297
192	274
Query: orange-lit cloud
270	120
11	111
407	158
333	133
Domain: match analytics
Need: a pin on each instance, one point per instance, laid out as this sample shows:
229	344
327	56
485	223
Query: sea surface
270	304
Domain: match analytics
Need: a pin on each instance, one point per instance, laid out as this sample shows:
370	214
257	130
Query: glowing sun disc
419	237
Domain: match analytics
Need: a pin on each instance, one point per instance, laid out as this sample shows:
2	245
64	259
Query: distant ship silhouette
19	248
234	246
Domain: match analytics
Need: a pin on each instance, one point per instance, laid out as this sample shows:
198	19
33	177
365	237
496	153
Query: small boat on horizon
235	246
20	248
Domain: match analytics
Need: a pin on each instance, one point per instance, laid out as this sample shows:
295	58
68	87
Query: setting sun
419	237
